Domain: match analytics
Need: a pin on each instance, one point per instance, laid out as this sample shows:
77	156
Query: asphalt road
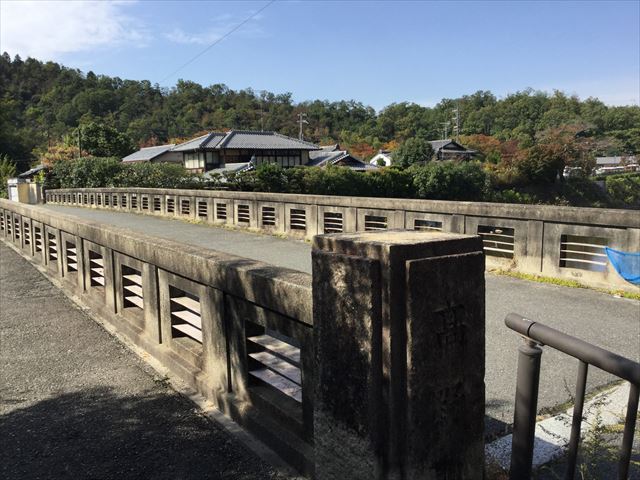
76	403
612	323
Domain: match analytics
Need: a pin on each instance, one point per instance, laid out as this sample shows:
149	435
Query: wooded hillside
41	102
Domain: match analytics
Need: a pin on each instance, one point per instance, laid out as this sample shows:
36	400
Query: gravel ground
75	403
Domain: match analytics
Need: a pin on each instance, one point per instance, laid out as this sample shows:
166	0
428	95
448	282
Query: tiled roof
323	157
147	153
449	144
614	160
33	171
213	140
438	144
192	144
263	140
326	157
245	139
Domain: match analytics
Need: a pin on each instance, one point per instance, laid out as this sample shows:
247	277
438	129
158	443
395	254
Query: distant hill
40	103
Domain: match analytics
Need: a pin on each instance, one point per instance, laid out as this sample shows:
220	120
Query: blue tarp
626	264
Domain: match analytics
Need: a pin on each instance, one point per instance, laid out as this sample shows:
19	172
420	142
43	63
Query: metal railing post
574	441
629	427
524	419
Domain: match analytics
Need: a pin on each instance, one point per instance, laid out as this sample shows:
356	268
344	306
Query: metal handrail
593	355
528	379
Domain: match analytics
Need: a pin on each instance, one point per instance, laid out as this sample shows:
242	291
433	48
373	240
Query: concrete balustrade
194	310
524	238
370	368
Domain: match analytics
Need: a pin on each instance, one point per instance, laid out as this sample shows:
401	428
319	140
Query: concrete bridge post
399	335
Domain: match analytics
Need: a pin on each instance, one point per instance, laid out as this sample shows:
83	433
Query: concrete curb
552	434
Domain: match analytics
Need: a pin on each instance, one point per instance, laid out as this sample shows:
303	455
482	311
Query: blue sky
373	52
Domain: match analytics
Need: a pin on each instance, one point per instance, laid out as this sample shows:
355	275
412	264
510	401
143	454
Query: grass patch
565	283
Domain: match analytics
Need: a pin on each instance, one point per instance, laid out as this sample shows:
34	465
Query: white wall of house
381	156
173	157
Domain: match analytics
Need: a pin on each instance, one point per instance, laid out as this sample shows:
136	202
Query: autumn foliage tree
488	147
555	149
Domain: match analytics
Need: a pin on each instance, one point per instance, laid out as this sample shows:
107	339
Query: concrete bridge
285	268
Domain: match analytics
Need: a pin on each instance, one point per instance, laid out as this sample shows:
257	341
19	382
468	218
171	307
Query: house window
212	160
283	158
194	160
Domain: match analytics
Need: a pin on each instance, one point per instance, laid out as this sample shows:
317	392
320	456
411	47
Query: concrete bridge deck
612	323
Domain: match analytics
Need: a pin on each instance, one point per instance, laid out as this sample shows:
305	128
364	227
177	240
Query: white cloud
178	35
47	29
218	27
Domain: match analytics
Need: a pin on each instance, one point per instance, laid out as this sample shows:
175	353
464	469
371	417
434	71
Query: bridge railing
537	335
563	242
370	368
236	330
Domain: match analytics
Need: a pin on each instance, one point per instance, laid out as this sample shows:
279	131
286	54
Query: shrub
270	177
96	172
450	181
624	190
155	175
333	181
511	196
85	172
389	182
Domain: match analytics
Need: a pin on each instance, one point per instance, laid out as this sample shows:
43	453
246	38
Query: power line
218	40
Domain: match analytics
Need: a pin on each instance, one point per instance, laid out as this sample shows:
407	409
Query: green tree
7	171
101	140
413	151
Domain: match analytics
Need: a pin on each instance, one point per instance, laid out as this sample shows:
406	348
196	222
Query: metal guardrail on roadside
528	379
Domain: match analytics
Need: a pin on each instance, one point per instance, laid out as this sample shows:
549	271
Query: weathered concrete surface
399	330
612	323
75	403
551	213
349	417
269	249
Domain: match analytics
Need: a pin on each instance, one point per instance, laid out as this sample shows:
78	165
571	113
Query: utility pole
262	111
79	144
457	118
261	119
445	127
302	118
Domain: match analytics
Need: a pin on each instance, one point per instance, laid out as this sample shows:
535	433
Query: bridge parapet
562	242
372	367
236	330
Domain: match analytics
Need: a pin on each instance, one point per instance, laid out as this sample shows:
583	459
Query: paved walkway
75	403
612	323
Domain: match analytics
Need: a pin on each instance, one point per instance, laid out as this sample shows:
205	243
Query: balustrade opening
427	225
497	241
298	219
583	252
268	216
186	318
375	222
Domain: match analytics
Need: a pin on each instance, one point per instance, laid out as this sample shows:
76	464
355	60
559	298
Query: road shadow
97	434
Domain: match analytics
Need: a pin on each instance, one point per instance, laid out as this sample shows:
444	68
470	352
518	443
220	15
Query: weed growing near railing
599	448
565	283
